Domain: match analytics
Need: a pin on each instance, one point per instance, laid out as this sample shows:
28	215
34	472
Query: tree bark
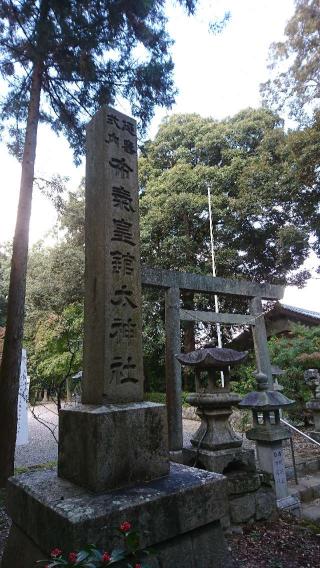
10	365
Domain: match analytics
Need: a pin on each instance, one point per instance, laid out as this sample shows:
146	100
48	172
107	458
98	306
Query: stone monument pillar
113	457
135	431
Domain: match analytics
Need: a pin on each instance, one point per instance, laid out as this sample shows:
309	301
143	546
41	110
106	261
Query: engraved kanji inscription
129	147
123	329
122	263
122	231
122	372
123	297
128	127
121	167
112	137
121	198
125	125
113	119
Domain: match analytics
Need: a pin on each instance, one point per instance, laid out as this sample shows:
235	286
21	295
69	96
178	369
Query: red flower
125	526
106	557
56	552
137	566
72	557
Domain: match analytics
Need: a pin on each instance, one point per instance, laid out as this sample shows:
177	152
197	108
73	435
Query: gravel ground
42	447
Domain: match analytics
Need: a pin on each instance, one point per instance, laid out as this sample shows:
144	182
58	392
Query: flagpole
216	303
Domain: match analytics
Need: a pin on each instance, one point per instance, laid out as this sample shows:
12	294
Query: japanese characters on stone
121	142
113	367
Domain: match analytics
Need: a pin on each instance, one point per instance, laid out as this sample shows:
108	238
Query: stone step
311	511
308	488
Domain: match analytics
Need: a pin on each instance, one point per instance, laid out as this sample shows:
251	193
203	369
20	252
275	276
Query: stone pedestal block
220	460
314	406
177	515
215	431
315	436
104	447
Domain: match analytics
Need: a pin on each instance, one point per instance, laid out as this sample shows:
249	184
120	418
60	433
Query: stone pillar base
177	515
291	504
220	460
104	447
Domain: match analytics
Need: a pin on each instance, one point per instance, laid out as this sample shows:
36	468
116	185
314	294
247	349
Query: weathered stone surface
215	431
173	369
219	460
242	508
291	504
243	482
70	516
214	357
113	369
266	505
271	460
205	547
21	551
268	433
202	283
107	447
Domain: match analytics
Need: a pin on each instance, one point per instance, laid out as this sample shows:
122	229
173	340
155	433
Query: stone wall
251	498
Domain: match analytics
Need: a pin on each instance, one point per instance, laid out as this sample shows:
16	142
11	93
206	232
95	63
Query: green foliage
153	335
261	229
55	277
246	381
87	54
55	347
92	557
295	84
161	398
5	254
294	354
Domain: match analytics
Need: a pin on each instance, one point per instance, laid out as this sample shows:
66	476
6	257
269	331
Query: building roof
280	313
298	313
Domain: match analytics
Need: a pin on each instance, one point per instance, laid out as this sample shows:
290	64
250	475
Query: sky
216	75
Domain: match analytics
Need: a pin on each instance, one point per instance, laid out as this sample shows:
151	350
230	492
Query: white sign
23	398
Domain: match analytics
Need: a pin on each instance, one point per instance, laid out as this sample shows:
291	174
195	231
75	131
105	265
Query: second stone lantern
215	445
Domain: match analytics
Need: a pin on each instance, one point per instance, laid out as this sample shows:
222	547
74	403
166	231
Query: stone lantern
269	433
312	379
215	444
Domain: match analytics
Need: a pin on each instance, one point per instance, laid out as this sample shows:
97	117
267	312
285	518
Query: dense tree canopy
295	82
88	53
261	217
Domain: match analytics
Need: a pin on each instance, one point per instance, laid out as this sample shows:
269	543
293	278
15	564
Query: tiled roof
300	311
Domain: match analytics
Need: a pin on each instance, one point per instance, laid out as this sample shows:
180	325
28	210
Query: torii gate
172	282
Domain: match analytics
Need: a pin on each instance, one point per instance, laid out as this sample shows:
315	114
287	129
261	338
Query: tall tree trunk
10	365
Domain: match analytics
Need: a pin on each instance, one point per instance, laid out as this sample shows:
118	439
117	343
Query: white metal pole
216	303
